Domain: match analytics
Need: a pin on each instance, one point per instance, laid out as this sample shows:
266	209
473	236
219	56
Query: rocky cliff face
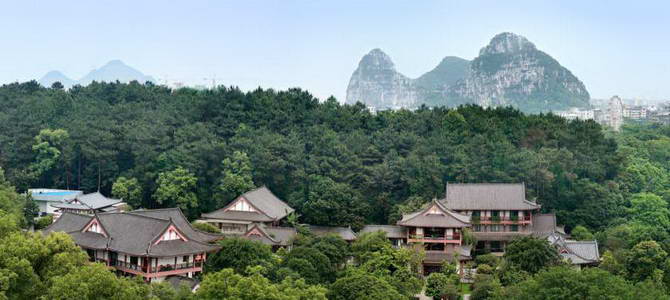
510	70
376	83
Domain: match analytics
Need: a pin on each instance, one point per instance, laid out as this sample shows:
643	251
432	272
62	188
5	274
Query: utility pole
213	79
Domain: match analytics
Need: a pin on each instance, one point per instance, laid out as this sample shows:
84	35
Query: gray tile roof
130	233
581	252
344	232
487	196
438	257
180	220
68	222
177	281
88	202
274	236
392	231
271	208
544	225
97	200
248	216
421	218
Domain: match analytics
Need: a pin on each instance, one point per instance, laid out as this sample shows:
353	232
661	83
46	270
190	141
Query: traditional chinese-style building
495	214
258	206
153	244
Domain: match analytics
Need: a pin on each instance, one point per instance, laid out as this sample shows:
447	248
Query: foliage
581	233
485	287
43	222
368	243
332	162
95	282
644	260
236	178
128	189
228	285
488	259
206	227
568	283
311	264
177	188
238	254
531	254
440	284
359	285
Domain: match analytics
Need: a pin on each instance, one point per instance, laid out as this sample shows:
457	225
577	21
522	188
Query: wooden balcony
448	239
487	220
160	271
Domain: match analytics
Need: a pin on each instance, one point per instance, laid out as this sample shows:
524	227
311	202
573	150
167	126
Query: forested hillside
336	164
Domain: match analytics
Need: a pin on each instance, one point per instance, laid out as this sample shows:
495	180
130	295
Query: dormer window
242	205
171	235
94	226
435	211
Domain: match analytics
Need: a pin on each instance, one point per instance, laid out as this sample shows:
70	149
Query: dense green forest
337	165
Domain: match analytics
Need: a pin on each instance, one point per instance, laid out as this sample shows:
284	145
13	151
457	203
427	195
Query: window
242	205
133	260
476	213
495	213
514	228
185	259
495	228
477	228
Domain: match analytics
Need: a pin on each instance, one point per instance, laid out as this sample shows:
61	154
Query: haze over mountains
510	70
112	71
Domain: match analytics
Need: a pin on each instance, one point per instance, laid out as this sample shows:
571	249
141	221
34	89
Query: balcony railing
499	219
454	237
160	268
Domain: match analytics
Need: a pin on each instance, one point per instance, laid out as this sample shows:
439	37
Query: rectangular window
477	228
514	228
495	213
185	259
476	213
495	228
133	260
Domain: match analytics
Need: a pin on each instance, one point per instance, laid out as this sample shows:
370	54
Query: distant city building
635	112
615	112
577	114
45	197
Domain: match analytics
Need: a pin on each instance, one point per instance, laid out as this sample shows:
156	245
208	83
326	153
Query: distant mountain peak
115	62
115	70
510	70
507	42
56	76
378	59
110	72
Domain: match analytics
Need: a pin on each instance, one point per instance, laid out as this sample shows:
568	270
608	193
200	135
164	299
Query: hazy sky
615	47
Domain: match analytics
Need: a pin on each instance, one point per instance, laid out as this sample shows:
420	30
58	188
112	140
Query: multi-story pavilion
256	206
153	244
499	212
438	231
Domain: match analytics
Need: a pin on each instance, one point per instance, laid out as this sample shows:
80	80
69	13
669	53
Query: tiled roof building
151	244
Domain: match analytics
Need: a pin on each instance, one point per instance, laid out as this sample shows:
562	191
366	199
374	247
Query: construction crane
213	79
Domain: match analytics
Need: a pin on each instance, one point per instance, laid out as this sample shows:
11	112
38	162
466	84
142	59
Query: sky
614	47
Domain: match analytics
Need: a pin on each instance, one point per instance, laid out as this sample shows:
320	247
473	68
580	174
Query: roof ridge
262	229
135	215
182	214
